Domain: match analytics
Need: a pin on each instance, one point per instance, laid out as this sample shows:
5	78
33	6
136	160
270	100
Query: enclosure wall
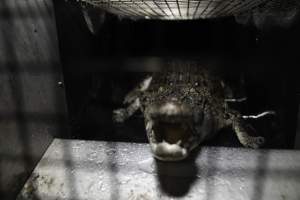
32	107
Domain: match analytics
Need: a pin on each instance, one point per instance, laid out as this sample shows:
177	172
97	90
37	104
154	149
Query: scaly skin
184	105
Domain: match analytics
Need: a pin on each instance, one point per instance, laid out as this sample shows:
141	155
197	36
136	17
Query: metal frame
175	9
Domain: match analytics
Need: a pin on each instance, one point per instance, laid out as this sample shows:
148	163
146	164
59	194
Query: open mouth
170	131
172	139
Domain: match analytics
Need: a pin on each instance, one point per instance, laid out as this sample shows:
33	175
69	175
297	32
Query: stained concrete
76	169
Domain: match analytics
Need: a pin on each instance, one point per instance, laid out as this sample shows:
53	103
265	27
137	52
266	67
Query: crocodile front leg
132	98
135	93
122	114
243	130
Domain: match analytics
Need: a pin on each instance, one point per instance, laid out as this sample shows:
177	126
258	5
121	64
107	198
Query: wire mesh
175	9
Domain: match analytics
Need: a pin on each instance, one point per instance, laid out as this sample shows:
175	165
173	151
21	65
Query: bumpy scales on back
184	105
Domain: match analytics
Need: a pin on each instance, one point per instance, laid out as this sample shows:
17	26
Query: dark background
99	69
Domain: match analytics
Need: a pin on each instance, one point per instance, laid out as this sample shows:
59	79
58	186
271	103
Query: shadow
260	176
113	170
176	178
71	180
211	172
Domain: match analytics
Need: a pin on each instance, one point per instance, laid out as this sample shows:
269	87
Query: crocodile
183	105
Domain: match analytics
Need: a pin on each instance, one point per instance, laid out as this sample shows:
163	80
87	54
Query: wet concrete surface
77	169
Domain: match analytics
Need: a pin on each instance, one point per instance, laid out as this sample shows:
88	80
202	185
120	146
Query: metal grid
175	9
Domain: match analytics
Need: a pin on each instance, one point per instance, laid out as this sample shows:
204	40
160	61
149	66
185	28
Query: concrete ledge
73	169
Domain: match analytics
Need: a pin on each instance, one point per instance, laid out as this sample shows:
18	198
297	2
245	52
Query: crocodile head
171	119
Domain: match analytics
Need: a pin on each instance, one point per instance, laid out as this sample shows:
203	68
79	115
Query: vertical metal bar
178	8
217	14
131	8
124	11
199	2
157	14
215	8
141	9
248	5
117	7
160	8
170	8
114	8
205	8
188	7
